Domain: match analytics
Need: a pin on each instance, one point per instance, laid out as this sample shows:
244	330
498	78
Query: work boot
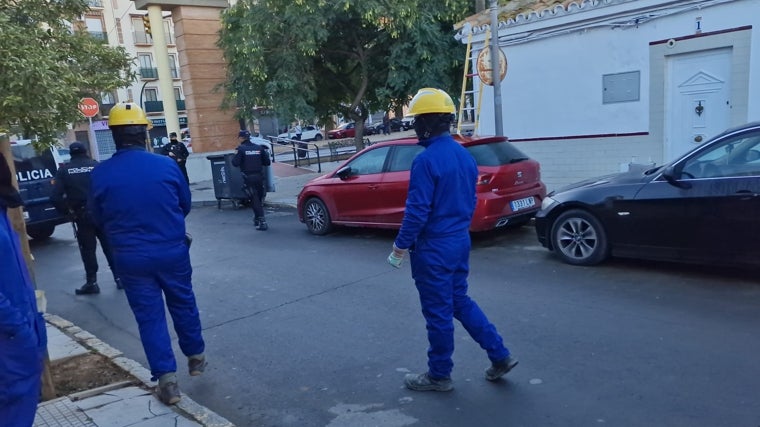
256	222
499	369
89	288
168	393
168	390
119	286
424	382
262	225
196	365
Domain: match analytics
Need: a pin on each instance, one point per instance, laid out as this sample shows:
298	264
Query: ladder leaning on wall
469	110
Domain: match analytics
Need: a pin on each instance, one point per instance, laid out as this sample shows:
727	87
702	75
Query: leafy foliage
47	67
316	58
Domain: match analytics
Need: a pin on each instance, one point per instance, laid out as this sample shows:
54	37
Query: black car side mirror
670	175
344	172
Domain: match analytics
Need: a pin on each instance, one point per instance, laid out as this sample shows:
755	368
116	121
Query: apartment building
119	23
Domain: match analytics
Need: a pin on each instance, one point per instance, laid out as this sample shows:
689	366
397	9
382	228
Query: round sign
89	107
484	66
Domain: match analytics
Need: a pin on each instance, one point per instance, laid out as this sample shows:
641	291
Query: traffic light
146	24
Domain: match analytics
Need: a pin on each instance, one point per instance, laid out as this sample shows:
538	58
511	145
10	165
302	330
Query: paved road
310	331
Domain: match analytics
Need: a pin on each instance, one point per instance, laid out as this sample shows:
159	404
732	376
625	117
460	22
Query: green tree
48	64
315	58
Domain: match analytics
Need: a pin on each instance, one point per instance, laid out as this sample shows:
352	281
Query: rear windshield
496	154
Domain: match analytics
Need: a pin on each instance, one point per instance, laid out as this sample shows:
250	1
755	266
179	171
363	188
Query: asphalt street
320	331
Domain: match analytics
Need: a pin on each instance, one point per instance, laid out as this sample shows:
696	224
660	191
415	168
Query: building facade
593	85
119	23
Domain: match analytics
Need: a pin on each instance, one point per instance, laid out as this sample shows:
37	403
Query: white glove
397	256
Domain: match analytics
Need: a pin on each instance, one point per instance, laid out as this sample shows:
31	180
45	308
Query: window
151	94
108	98
403	156
496	154
738	156
370	162
147	71
141	37
177	94
145	60
173	66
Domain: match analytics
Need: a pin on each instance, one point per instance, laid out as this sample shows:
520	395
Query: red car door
357	197
396	182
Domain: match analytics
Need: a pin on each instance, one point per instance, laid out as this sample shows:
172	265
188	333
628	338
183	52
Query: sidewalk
121	404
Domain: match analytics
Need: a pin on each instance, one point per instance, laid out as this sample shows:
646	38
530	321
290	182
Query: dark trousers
87	237
254	187
183	168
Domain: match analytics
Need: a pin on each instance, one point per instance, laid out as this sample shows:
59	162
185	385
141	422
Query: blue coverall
435	228
23	340
140	201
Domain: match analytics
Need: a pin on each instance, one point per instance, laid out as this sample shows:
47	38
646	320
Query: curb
186	405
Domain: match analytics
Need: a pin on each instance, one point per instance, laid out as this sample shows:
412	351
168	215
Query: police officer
251	159
72	184
178	152
439	208
140	200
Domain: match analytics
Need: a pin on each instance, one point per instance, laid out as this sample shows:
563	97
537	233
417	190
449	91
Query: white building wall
552	94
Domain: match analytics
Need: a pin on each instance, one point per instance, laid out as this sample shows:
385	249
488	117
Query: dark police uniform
251	159
72	185
178	152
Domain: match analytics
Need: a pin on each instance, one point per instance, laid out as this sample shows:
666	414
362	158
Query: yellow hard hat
431	100
127	113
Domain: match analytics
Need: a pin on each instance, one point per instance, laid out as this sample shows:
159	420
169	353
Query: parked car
35	173
346	130
703	207
377	128
407	123
308	133
369	189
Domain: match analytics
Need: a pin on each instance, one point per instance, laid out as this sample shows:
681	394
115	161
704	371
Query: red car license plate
520	204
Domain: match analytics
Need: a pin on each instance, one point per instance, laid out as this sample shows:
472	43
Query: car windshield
496	154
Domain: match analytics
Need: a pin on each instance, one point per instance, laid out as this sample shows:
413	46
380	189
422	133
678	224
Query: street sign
89	107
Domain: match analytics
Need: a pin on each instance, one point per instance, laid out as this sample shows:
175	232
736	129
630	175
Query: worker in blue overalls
23	340
435	231
140	200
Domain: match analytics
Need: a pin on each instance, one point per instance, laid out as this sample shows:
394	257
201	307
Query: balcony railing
158	106
95	3
148	73
100	35
141	37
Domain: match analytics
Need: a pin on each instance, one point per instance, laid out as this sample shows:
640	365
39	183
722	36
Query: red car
346	130
369	189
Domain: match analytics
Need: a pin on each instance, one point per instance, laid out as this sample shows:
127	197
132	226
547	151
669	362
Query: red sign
89	107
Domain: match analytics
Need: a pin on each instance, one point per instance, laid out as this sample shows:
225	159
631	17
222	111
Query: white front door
697	103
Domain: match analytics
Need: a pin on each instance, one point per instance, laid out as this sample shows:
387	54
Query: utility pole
496	69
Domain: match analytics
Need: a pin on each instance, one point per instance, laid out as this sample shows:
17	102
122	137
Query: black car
703	207
35	172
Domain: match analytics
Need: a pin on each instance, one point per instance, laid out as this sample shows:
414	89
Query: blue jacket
441	198
23	340
140	200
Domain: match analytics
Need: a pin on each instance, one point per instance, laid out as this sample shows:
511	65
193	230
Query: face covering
9	196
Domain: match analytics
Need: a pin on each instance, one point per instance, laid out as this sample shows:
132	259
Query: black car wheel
579	238
40	232
317	217
318	137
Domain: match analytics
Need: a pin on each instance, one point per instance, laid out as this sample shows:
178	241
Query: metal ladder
470	126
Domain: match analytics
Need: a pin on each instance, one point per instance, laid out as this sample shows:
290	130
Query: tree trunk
480	5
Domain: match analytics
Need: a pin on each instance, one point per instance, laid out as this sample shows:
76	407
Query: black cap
77	148
173	135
